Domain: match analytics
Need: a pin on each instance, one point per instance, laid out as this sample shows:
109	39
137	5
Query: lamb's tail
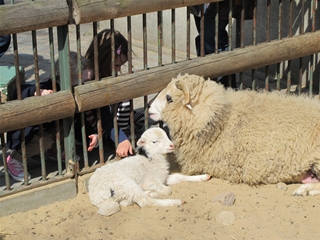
108	208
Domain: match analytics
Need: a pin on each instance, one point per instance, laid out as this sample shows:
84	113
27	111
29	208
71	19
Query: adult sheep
138	179
241	136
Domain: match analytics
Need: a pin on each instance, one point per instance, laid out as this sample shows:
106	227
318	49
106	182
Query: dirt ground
264	212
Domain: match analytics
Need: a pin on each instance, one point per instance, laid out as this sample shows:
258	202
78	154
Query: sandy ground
264	212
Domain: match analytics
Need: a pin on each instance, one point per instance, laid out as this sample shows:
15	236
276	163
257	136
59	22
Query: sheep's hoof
205	177
308	189
183	202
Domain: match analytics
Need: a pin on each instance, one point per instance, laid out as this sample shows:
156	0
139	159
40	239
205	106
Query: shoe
54	157
15	169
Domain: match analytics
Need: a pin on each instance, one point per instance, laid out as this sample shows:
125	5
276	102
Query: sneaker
54	157
15	169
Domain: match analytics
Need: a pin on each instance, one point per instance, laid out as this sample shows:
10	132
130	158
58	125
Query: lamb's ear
141	142
186	93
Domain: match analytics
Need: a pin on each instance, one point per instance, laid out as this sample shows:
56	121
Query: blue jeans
4	40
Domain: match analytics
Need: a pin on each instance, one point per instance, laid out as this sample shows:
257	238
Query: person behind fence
209	32
4	39
105	70
14	160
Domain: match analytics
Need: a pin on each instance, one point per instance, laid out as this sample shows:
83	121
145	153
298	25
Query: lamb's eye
169	99
154	142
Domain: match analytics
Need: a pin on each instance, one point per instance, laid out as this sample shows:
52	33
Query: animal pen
273	45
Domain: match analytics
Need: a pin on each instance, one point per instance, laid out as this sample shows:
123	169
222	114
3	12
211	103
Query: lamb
138	179
242	136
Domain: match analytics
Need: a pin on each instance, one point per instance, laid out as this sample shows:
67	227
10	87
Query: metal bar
202	52
278	67
145	41
79	69
160	38
312	57
188	35
173	35
290	35
301	59
216	34
37	80
64	70
254	42
267	40
129	34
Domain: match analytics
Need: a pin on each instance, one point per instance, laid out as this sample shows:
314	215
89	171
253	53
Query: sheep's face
157	105
167	96
155	140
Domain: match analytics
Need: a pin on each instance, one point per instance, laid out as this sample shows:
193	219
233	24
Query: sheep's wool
243	136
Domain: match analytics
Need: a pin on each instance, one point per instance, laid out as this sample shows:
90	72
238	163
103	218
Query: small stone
282	186
226	199
225	218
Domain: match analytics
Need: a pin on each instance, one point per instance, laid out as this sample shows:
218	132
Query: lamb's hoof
183	202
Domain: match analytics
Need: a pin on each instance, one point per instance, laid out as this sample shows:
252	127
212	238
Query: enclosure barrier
18	114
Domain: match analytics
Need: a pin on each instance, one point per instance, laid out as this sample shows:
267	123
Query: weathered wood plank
27	16
113	90
35	110
85	11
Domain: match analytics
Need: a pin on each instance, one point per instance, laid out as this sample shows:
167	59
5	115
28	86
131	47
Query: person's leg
14	160
33	148
209	35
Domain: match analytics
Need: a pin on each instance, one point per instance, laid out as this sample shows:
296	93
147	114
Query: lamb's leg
308	189
155	188
137	194
143	200
178	177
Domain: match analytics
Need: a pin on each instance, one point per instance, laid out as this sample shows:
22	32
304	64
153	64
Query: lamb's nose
172	146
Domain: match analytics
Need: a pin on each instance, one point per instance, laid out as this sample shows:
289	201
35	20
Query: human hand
124	148
94	142
44	92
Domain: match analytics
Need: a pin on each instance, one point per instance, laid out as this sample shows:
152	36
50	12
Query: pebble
225	218
226	199
282	186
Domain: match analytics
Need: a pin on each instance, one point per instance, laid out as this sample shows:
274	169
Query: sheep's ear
141	142
186	93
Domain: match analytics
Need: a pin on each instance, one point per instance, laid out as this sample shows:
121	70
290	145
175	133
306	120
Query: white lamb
138	179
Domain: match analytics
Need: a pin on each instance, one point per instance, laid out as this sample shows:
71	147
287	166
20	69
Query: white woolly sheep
241	136
138	179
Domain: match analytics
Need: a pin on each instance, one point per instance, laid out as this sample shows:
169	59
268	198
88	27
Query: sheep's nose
172	146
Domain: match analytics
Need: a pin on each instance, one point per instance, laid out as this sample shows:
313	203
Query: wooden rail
113	90
27	16
33	15
85	11
35	110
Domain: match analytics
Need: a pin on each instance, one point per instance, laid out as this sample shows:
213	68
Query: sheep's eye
169	99
154	142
